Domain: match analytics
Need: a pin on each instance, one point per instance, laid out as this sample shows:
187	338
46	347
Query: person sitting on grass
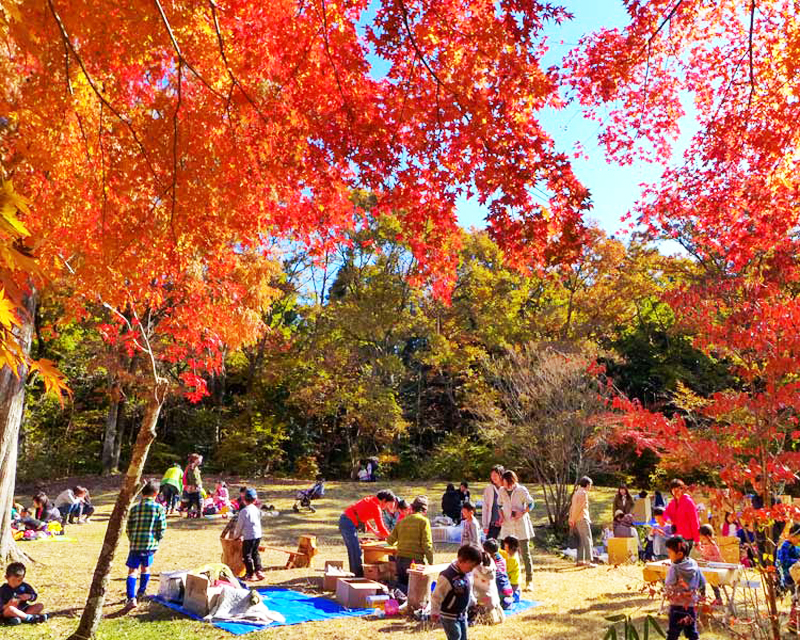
682	588
453	593
470	532
248	529
16	597
147	523
504	589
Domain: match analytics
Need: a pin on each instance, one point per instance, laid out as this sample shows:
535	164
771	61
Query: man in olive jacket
414	540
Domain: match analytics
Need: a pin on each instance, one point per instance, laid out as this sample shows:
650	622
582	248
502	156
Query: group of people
72	506
487	574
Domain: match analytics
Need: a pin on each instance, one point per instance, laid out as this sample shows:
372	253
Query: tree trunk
12	396
110	466
122	421
93	613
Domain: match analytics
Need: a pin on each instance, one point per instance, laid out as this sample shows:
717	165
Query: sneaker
260	575
131	604
12	622
39	618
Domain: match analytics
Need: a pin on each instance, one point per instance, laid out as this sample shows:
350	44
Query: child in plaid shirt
146	525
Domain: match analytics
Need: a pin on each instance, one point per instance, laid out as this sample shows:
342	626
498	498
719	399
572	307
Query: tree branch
750	50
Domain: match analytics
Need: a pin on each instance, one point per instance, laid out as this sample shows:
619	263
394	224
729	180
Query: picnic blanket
50	539
298	607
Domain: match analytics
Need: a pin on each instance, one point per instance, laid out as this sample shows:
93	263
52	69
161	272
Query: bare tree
544	408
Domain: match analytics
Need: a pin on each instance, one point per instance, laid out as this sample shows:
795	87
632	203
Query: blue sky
614	189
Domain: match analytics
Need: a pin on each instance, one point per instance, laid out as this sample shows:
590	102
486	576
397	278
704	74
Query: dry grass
575	601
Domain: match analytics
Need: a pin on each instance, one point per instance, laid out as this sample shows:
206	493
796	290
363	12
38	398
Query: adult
366	513
490	511
581	523
193	485
414	540
69	502
451	503
682	513
515	505
171	485
623	501
392	514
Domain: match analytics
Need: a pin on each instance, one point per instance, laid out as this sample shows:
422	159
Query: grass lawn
575	601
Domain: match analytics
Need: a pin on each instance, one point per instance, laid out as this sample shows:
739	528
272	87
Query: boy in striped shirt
146	525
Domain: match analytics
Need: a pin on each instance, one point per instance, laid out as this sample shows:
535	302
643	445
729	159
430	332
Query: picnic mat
299	607
50	539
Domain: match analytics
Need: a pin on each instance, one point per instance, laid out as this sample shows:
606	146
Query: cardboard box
642	510
623	550
334	571
380	572
352	592
199	595
729	548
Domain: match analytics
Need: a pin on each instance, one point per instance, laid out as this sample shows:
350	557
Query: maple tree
732	202
160	142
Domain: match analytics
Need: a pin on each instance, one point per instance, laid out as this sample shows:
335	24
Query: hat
419	503
250	494
619	512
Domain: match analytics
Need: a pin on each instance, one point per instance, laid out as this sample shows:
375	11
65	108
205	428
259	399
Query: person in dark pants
451	503
367	513
682	588
414	540
490	511
248	528
193	484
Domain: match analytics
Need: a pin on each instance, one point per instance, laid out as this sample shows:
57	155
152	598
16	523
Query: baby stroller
305	496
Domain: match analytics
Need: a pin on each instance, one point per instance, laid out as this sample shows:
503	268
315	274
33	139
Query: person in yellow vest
171	486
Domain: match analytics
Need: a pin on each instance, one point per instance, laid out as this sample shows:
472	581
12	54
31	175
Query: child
248	528
453	593
487	598
464	489
729	526
659	534
684	582
504	588
87	508
510	553
709	551
470	533
146	525
221	495
403	509
788	554
747	544
16	597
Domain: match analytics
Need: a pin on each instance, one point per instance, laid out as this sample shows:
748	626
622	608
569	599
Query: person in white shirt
490	511
248	529
515	504
69	503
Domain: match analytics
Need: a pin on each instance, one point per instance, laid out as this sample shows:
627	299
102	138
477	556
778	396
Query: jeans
402	572
350	537
250	556
70	512
494	532
584	531
682	619
170	494
455	629
194	499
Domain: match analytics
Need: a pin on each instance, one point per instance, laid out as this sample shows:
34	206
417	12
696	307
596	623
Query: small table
717	574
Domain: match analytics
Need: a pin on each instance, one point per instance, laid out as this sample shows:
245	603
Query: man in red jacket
366	513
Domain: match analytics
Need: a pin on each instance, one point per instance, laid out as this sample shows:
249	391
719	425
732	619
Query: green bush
459	457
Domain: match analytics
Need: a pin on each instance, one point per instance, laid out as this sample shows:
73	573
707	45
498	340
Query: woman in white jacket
515	505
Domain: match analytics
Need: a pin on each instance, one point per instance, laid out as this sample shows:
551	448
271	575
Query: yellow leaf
8	311
55	382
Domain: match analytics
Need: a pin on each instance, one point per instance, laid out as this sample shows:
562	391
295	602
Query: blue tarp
299	607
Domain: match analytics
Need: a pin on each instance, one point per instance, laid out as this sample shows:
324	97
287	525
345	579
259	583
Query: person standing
580	521
515	505
367	513
682	513
147	523
193	484
414	540
248	528
171	485
490	511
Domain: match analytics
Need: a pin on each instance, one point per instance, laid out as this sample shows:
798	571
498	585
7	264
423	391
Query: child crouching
682	587
16	597
453	594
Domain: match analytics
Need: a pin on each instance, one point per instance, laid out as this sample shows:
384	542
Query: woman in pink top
682	513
